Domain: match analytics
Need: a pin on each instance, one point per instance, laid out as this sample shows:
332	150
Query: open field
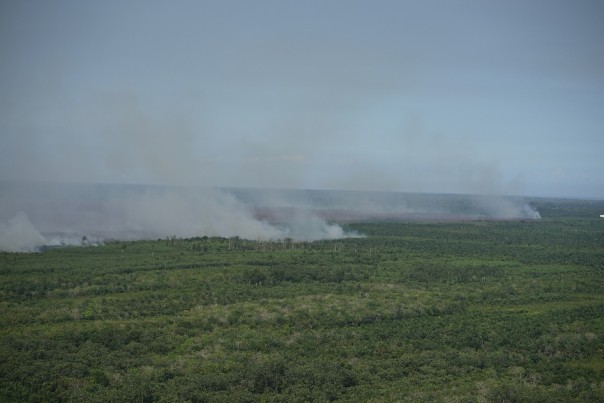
471	311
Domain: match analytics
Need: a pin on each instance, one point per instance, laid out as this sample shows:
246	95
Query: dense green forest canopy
466	311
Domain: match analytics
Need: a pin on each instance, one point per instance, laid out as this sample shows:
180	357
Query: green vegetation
478	311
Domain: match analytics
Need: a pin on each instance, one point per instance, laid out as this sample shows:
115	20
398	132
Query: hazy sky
432	96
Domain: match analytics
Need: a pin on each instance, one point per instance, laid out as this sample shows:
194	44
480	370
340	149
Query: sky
461	96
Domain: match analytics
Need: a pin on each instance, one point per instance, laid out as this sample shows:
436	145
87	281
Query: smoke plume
33	215
64	214
19	235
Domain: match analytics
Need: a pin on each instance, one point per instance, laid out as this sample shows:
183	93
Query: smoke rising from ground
19	235
187	212
37	215
33	215
350	206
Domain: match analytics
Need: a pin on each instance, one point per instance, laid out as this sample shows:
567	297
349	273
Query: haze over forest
440	97
462	97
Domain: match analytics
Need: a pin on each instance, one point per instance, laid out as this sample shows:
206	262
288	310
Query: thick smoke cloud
34	215
293	96
189	212
37	215
348	206
19	235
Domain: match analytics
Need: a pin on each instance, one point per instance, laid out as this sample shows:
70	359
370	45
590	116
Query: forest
440	311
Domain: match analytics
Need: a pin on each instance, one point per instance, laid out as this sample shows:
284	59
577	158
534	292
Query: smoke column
19	235
51	215
33	215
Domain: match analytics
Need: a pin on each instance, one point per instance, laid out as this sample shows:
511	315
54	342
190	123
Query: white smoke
505	208
67	214
19	235
184	213
304	226
52	214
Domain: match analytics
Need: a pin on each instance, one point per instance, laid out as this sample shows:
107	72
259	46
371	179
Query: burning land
292	201
36	215
313	302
